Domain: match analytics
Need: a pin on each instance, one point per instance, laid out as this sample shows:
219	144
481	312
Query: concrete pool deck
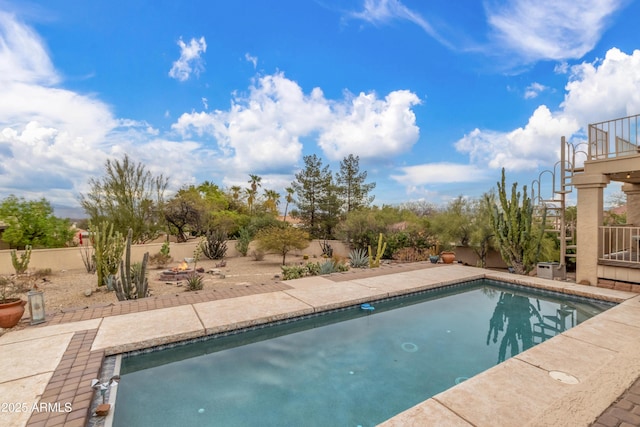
568	380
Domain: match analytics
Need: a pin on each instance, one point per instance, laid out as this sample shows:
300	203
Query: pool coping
579	403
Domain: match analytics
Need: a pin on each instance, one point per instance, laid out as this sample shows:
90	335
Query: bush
411	255
258	255
290	272
244	239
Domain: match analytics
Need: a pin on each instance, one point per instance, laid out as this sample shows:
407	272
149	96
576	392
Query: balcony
620	246
614	138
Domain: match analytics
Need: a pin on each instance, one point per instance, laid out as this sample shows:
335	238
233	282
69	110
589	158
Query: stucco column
590	213
633	203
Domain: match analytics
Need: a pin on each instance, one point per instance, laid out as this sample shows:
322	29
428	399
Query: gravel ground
66	290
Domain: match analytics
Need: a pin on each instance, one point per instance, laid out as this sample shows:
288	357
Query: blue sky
435	97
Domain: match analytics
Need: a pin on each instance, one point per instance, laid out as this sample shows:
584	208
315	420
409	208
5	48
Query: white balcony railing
620	244
614	138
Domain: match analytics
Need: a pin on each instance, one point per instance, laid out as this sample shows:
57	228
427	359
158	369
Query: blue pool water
349	368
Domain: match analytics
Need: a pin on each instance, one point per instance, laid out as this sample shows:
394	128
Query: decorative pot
448	257
434	259
11	312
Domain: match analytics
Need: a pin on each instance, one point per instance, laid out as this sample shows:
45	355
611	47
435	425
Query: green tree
453	224
31	222
351	186
313	188
128	196
282	240
482	234
518	238
186	212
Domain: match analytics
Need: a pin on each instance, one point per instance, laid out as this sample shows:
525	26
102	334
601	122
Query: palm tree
273	200
251	197
289	199
254	181
235	192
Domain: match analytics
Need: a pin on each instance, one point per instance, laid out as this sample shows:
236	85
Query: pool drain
409	347
563	377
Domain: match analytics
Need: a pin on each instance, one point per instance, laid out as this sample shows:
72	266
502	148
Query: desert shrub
327	250
195	282
244	239
282	240
160	260
313	268
258	255
411	254
41	273
88	255
290	272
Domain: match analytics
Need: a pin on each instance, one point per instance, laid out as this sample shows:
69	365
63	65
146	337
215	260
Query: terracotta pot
11	313
448	257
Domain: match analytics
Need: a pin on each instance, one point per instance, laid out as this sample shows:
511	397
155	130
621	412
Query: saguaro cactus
375	261
133	281
518	237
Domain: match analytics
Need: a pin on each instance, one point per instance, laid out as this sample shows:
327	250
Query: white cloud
190	61
599	91
252	59
438	173
604	90
263	130
23	57
550	29
371	127
533	90
385	11
535	145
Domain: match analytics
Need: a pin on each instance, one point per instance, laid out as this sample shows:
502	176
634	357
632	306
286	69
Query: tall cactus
133	281
375	261
108	246
517	236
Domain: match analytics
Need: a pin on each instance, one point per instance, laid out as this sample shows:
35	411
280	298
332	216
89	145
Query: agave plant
358	258
328	267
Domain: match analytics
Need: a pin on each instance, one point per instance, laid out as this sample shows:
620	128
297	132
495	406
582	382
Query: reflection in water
516	311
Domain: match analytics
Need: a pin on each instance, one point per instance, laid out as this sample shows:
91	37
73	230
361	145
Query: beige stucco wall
71	258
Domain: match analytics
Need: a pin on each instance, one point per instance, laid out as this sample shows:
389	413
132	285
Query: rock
213	271
88	292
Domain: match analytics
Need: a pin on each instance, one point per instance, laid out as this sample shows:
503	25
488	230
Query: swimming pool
351	367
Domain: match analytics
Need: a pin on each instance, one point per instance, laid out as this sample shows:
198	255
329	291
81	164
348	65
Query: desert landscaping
67	290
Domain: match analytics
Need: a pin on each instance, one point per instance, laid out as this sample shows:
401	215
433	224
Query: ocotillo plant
375	261
133	281
108	247
517	236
